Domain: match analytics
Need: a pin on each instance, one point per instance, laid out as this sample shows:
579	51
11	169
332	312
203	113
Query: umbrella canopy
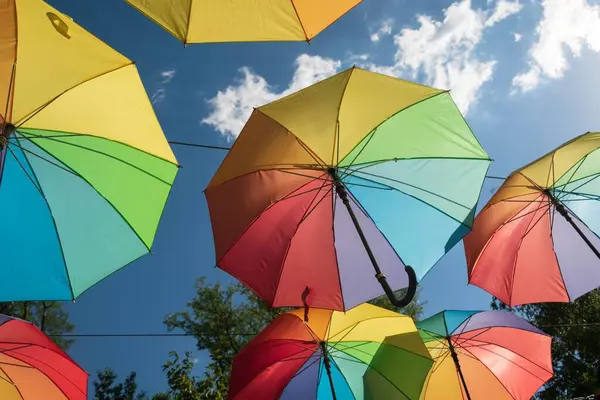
358	169
536	240
202	21
328	356
85	167
32	367
491	355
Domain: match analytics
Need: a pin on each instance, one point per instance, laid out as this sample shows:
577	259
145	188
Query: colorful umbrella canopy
32	367
357	169
196	21
491	355
536	240
328	356
85	168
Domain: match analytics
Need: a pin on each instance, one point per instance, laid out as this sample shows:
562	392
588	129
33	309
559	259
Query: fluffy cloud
503	10
232	107
566	26
167	76
384	30
442	52
518	37
445	51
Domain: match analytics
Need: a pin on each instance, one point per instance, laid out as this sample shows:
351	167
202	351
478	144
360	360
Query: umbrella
32	367
327	357
358	169
536	240
85	170
484	355
195	21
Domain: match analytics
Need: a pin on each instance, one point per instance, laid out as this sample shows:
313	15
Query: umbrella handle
411	290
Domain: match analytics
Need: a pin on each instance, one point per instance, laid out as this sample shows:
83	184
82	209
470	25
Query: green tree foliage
223	320
576	346
106	387
49	316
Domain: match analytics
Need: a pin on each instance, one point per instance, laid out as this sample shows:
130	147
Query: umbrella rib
292	193
527	230
510	361
565	193
65	134
579	164
305	367
415	187
19	146
104	154
306	214
397	112
343	377
51	367
485	343
43	106
25	172
107	201
62	253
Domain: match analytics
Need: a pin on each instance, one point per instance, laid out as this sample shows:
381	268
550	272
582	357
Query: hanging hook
304	296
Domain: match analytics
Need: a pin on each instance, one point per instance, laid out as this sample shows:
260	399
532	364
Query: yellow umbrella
85	167
211	21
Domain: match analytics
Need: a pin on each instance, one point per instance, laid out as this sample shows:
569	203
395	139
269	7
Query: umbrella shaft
562	211
412	278
328	368
458	368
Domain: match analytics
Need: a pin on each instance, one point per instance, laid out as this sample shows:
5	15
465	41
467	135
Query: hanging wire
206	146
167	334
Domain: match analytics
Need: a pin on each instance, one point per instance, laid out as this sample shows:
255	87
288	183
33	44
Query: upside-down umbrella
358	169
536	240
85	168
327	357
212	21
491	355
32	367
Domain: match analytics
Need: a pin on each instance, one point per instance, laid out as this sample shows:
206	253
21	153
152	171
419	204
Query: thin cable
206	146
134	335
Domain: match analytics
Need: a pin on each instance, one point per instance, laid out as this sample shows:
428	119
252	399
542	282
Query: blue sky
524	72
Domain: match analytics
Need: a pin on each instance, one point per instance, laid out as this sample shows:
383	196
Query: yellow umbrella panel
211	21
85	167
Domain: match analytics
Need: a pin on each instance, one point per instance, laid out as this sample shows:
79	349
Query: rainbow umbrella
491	355
358	169
536	240
202	21
85	168
327	357
32	367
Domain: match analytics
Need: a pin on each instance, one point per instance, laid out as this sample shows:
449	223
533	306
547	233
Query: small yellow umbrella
212	21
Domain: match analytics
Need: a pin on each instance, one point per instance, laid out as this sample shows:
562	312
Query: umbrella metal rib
412	277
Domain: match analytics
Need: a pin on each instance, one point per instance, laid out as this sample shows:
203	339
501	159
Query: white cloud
232	107
566	25
518	37
384	30
445	51
503	10
168	76
442	52
160	94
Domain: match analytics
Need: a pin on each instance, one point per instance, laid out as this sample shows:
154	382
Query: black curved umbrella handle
411	291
